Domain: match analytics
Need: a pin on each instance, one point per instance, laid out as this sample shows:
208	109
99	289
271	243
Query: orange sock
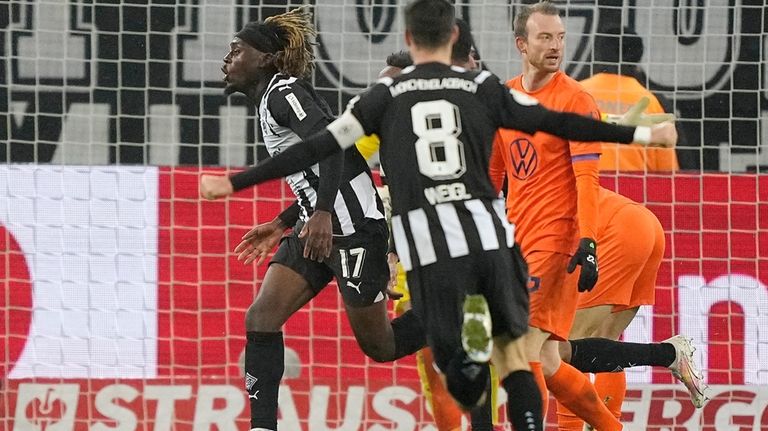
611	388
445	412
566	420
538	375
576	392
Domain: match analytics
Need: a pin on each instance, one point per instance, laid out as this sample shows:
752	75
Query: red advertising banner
139	324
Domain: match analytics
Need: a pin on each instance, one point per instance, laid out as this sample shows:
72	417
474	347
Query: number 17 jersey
436	124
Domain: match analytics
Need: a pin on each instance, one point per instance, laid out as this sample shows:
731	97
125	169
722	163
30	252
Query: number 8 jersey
437	124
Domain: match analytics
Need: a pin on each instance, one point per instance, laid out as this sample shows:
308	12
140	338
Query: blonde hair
296	33
544	7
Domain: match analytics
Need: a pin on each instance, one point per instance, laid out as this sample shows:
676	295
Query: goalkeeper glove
586	256
635	116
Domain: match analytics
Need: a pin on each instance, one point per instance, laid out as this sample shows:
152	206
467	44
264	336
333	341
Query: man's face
543	48
243	66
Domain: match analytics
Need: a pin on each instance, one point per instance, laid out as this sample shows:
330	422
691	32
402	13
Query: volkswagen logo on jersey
524	159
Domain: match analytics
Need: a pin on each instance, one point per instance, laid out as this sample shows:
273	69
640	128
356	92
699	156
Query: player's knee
550	360
378	352
262	318
565	351
533	341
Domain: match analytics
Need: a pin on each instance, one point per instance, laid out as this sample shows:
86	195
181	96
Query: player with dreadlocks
340	227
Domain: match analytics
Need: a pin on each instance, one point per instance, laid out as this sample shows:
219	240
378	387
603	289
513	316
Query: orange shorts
629	253
554	293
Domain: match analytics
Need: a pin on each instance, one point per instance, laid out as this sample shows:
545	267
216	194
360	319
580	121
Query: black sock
264	366
466	380
482	416
409	333
524	401
601	355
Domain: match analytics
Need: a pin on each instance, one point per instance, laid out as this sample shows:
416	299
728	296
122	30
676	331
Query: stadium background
122	305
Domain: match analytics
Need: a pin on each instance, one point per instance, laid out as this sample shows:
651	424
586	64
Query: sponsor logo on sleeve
296	106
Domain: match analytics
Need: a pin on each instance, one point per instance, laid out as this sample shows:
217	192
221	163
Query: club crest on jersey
524	158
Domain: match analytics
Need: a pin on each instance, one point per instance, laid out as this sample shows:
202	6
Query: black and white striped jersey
290	111
436	124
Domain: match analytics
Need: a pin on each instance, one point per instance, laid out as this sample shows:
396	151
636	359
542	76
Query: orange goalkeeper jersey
615	94
542	194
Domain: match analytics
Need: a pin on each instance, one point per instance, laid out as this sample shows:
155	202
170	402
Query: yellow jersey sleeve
368	145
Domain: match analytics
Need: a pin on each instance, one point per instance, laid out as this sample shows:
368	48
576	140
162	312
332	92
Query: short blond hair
521	18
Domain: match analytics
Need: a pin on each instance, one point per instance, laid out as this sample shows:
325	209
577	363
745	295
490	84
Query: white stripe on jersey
342	214
484	222
482	76
365	191
278	138
401	243
454	233
501	212
422	238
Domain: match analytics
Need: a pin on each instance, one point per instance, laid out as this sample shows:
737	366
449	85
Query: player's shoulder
482	78
572	93
282	86
281	83
515	82
566	83
379	90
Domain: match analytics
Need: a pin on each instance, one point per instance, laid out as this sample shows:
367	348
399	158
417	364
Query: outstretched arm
522	112
576	127
340	134
296	158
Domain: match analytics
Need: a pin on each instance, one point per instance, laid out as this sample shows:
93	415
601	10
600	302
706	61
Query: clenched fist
215	186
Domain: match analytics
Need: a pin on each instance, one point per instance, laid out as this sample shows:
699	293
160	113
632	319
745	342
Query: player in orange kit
553	194
553	199
632	243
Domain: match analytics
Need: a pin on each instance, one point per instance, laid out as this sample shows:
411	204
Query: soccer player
341	230
631	248
465	275
552	197
447	415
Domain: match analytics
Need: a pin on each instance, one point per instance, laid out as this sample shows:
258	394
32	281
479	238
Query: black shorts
438	291
358	261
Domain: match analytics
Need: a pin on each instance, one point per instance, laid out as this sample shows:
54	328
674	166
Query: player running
341	229
436	124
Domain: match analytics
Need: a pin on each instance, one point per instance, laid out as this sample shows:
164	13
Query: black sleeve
331	170
290	215
296	158
369	106
522	112
575	127
294	107
509	108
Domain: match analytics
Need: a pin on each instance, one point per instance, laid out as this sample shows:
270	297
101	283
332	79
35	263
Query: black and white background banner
85	81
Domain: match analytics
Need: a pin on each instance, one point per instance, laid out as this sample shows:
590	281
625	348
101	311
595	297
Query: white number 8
438	151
